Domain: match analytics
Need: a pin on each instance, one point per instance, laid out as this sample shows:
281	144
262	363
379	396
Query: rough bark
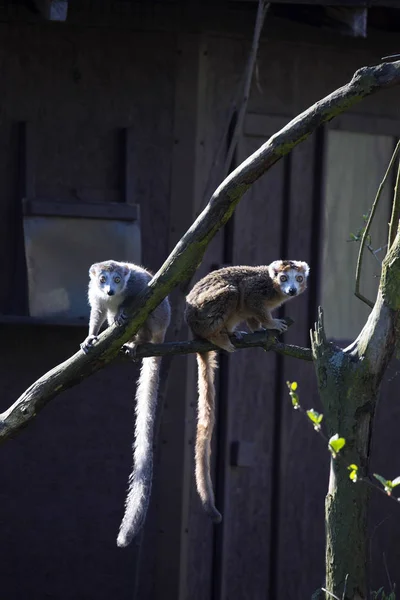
349	381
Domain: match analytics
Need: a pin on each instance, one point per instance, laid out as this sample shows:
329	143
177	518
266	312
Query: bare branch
263	8
241	100
259	339
189	251
368	226
394	219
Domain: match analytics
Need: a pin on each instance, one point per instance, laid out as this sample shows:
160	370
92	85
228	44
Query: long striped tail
207	364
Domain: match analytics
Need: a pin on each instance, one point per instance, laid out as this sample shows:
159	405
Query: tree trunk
348	390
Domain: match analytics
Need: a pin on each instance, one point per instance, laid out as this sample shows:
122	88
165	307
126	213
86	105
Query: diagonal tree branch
189	251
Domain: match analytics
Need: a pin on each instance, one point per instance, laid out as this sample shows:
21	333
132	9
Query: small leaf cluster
387	484
335	445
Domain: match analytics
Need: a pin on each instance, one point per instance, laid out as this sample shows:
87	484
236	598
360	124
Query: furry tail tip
213	513
124	539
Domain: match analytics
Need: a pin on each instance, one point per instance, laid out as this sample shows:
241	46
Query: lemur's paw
280	325
121	318
87	344
129	351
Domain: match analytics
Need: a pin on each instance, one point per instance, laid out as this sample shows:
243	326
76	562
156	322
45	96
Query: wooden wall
64	478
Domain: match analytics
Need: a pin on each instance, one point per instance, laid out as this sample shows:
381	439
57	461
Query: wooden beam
52	10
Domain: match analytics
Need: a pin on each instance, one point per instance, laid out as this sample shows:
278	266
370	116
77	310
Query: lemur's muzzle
292	291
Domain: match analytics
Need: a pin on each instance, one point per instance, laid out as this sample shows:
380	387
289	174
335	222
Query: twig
241	100
367	228
189	251
259	339
394	219
345	587
262	10
330	593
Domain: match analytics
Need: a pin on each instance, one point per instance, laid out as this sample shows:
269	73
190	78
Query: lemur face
289	277
110	277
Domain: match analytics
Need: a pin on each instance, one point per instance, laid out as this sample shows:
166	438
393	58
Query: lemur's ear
303	266
93	270
274	267
125	271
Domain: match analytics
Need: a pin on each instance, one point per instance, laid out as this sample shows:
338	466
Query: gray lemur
112	286
214	308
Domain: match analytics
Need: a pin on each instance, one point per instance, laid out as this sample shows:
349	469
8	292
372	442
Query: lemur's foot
280	325
88	343
121	318
129	351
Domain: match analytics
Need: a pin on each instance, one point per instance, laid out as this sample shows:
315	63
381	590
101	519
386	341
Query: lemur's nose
292	291
110	292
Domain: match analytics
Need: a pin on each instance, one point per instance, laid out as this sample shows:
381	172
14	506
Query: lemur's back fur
214	308
112	286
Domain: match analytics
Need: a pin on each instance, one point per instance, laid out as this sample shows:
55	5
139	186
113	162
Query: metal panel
59	252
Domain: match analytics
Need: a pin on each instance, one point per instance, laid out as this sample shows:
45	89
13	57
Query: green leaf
387	484
335	444
396	482
293	386
316	418
353	473
295	400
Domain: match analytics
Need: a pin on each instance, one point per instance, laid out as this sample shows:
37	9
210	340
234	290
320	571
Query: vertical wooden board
218	76
169	555
251	390
200	529
303	459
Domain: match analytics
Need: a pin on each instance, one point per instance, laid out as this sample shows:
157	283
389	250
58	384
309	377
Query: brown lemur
112	286
214	308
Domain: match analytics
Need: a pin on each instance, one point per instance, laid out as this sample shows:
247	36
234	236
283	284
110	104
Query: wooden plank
262	125
366	124
301	461
110	211
174	474
26	320
246	526
129	175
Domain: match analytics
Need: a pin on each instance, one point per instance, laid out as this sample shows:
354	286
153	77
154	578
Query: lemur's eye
299	278
117	279
102	279
283	278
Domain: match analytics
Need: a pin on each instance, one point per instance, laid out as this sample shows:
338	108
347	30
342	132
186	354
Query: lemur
112	286
214	308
